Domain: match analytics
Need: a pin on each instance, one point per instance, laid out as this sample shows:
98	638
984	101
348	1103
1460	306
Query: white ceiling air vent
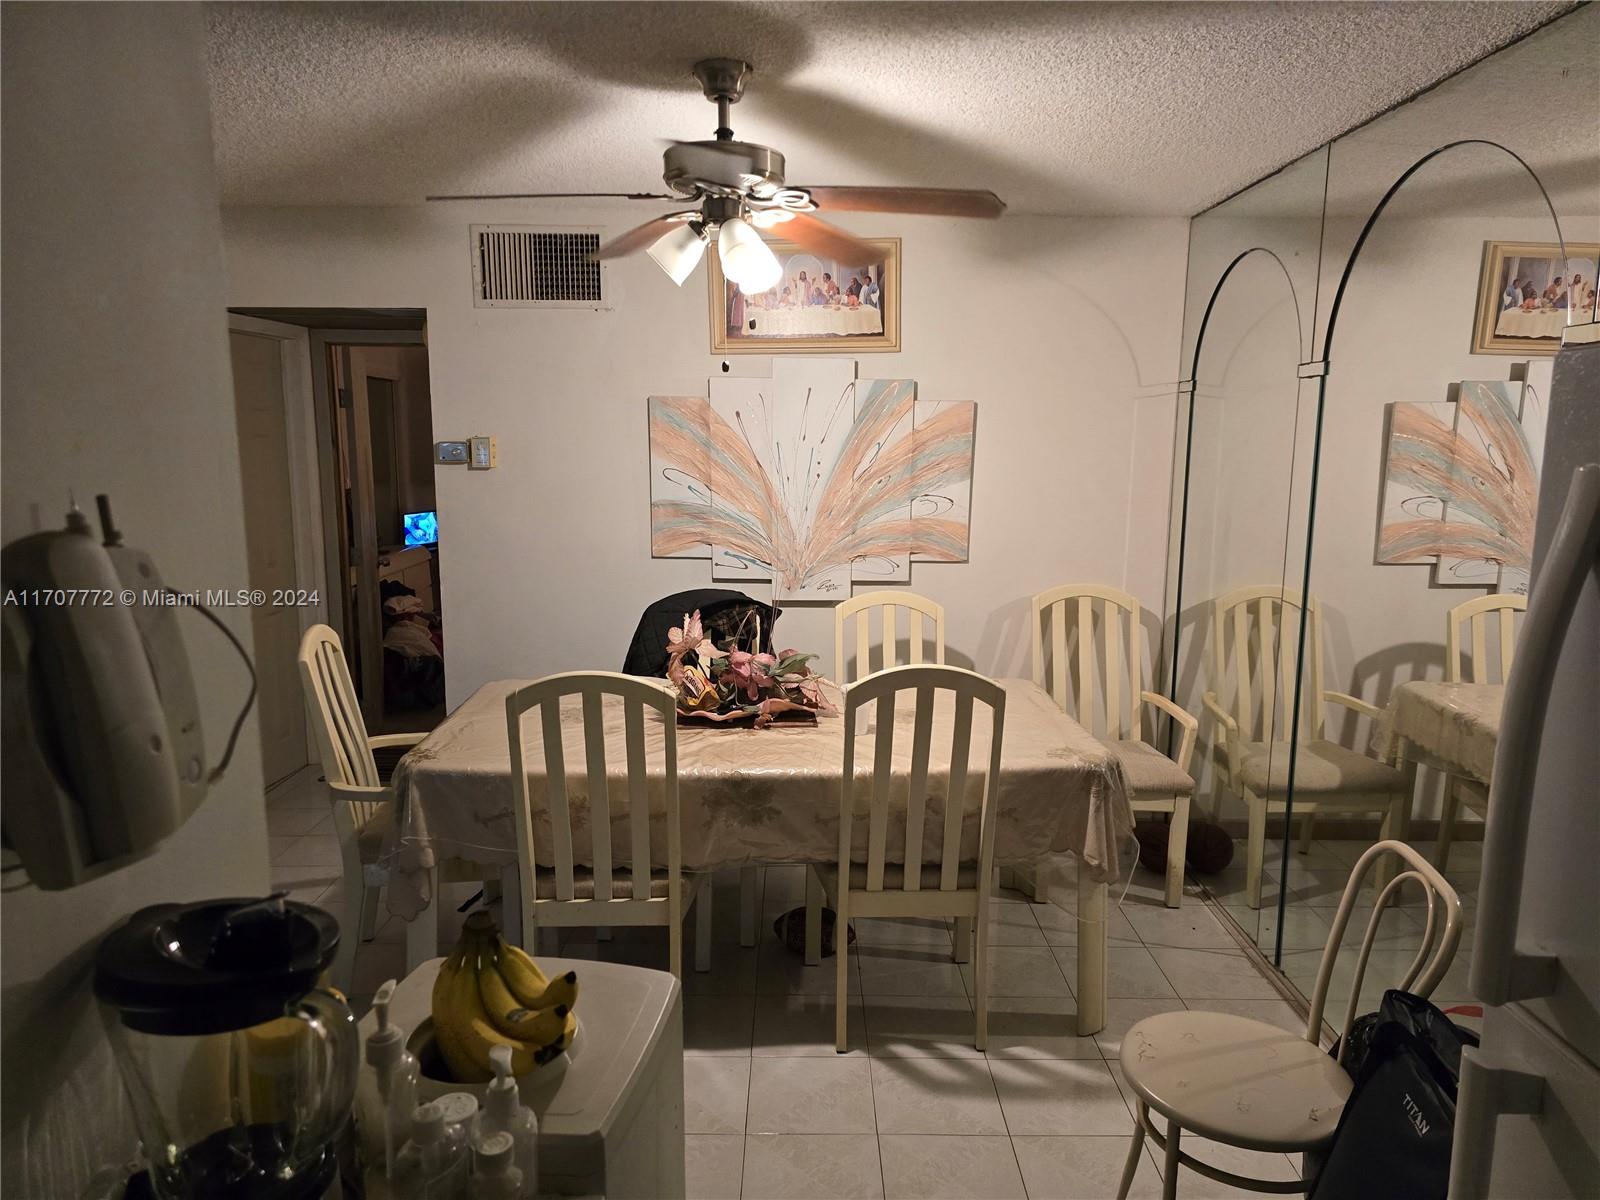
531	266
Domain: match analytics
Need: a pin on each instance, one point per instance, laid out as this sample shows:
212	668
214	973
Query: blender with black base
240	1068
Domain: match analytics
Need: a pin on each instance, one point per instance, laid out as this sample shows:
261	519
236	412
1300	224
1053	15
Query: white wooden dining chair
559	891
1253	1085
1255	636
363	805
919	611
1099	680
916	886
1480	668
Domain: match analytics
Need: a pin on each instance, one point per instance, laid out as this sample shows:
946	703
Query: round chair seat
1236	1080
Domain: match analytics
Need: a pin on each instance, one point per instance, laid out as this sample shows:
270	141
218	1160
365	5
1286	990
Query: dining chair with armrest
1475	614
1254	642
363	803
1156	782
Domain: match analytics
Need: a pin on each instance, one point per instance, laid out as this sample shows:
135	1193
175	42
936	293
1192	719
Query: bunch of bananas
490	993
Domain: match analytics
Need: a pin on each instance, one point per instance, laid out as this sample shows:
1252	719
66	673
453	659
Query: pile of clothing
413	650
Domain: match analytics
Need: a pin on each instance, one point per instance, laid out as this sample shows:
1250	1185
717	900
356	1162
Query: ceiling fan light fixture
747	261
680	250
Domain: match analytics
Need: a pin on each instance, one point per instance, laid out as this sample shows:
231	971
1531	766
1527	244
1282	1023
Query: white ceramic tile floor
913	1110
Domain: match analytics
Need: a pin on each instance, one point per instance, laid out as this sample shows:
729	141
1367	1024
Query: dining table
1453	727
753	797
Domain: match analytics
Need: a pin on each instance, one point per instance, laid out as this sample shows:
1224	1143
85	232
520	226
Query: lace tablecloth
750	796
1454	726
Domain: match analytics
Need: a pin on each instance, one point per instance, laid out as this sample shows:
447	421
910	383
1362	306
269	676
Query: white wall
1065	332
116	379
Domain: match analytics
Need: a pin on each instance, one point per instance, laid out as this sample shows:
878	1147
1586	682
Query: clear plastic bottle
461	1111
503	1112
436	1163
494	1170
396	1070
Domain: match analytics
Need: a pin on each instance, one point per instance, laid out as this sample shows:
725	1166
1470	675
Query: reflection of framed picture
817	305
1528	294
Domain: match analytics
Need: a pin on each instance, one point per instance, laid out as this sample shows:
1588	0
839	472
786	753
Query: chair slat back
920	613
592	688
1501	609
1440	936
1255	637
1097	629
883	690
335	716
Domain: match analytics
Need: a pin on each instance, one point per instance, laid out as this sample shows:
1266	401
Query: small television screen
422	528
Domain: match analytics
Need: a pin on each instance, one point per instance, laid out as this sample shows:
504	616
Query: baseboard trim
1356	829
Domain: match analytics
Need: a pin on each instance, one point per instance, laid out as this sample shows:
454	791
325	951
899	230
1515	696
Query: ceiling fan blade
641	236
827	240
933	202
561	196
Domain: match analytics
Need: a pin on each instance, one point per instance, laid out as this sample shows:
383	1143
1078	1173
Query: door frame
305	468
327	410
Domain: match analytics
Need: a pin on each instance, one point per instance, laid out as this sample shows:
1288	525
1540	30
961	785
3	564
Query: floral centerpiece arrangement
735	685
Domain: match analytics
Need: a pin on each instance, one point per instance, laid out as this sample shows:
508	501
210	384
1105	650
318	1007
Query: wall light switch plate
450	452
483	454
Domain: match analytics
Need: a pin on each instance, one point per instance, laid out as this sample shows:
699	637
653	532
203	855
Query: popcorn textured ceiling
1080	109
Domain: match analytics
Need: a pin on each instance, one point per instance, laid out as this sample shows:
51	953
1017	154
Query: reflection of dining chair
598	894
1156	783
363	803
1255	631
1253	1085
946	886
1458	789
861	609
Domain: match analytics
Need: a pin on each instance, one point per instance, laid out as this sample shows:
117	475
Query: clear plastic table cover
751	796
1455	726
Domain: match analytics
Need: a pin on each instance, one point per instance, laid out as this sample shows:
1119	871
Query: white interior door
262	392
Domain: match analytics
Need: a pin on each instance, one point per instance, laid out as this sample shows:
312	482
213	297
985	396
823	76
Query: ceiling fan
739	188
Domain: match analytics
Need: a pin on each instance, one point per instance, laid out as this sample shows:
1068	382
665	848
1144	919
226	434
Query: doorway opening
336	443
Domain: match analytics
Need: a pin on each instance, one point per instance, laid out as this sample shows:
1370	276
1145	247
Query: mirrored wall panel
1370	335
1251	300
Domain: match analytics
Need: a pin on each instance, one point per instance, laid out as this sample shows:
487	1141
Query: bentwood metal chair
1250	1084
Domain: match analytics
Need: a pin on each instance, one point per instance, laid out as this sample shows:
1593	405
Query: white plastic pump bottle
396	1069
503	1112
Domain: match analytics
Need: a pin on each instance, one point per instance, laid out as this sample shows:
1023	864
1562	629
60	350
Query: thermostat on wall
483	454
450	452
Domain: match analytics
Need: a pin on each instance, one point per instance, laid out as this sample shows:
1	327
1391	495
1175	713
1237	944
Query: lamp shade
679	252
747	260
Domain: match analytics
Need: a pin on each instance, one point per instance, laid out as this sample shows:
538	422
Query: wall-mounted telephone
103	756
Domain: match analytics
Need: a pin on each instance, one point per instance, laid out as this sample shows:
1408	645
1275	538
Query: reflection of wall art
1461	483
818	305
811	478
1528	294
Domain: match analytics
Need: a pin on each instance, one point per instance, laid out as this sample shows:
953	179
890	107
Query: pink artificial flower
691	639
741	667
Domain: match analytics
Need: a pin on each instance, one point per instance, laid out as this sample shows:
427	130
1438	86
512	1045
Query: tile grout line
750	1076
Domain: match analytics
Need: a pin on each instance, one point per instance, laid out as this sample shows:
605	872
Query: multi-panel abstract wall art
1461	482
812	479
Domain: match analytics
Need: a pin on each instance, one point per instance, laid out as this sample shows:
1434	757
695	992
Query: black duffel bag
1394	1135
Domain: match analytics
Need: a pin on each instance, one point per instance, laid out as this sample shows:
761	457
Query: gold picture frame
741	331
1534	324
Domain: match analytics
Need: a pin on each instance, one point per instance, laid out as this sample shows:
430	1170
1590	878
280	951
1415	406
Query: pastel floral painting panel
811	478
